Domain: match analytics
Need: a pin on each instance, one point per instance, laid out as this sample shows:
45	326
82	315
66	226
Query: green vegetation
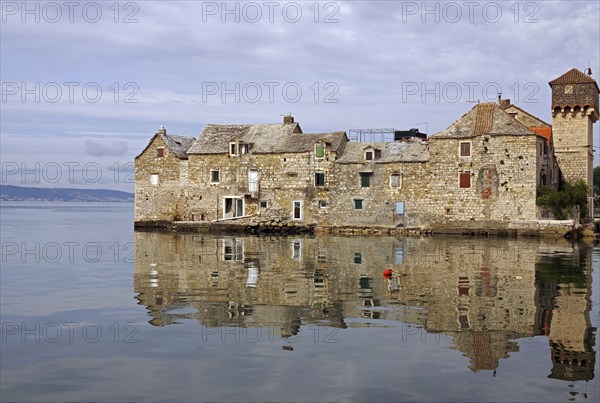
561	201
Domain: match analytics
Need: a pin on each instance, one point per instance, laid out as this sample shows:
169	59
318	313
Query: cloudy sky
86	84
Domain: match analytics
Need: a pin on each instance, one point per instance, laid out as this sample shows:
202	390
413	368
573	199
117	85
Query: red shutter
465	179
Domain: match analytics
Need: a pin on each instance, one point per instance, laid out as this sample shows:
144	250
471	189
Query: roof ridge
573	76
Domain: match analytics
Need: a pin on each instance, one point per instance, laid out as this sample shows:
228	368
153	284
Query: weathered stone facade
574	112
483	171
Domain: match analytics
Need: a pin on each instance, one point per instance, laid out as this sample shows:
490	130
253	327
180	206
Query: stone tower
574	112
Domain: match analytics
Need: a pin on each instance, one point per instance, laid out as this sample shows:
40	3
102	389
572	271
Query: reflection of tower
563	299
574	111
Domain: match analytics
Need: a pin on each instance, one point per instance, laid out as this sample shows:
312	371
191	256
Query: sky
85	85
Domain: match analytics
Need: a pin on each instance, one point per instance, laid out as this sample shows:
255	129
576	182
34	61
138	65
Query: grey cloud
100	148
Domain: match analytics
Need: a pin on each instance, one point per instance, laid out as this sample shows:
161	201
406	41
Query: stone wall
504	173
165	201
573	139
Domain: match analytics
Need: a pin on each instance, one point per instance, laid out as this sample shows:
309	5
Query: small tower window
160	152
369	155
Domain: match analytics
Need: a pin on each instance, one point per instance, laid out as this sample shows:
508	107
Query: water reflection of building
485	295
564	282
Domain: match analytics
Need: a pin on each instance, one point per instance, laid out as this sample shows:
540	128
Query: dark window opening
160	152
214	176
365	179
358	204
320	179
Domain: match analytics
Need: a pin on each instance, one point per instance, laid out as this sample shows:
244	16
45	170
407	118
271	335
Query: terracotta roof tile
573	76
544	131
484	118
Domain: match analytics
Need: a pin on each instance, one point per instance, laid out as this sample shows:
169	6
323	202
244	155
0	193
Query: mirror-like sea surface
91	310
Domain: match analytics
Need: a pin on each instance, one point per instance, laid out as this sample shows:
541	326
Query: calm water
91	310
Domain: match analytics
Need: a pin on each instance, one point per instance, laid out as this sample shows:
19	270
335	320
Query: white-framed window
233	249
233	206
297	213
395	180
214	176
369	155
236	148
263	204
296	249
358	203
154	179
322	203
464	149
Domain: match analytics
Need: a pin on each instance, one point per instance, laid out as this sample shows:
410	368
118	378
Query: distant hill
20	193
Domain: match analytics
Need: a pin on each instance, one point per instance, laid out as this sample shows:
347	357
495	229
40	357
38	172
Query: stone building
482	173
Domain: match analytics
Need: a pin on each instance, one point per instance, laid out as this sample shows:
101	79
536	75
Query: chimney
162	130
504	103
288	120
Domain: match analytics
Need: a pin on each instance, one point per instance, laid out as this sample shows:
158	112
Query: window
154	179
233	207
160	152
358	258
358	204
365	179
237	148
369	155
465	149
395	180
399	256
320	179
253	181
233	249
322	204
465	179
320	151
263	204
296	249
297	210
400	208
214	176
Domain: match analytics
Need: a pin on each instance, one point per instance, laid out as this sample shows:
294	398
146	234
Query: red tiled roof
573	76
544	131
